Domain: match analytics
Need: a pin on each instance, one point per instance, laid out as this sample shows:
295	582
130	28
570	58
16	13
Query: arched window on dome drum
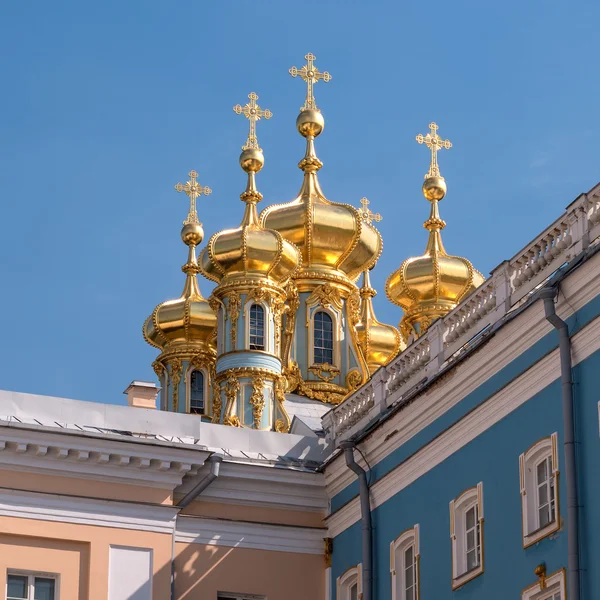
197	393
257	327
323	338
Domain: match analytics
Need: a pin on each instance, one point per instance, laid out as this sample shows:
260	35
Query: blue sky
106	105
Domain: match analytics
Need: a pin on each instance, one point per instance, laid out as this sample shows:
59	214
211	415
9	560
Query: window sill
539	534
466	577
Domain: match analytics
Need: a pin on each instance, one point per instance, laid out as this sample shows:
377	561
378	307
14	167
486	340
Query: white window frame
398	547
348	579
544	449
31	575
335	325
188	390
473	497
545	588
268	325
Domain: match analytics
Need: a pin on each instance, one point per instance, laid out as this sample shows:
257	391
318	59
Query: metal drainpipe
215	461
365	512
574	584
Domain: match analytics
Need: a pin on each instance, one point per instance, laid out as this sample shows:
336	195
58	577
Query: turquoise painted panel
510	372
248	359
492	458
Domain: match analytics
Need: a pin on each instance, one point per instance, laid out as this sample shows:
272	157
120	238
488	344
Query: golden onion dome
187	322
429	286
379	342
332	237
249	251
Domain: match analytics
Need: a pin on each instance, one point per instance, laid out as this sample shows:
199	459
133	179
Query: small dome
379	342
429	286
249	251
188	320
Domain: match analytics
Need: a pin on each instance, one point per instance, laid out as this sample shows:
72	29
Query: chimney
142	394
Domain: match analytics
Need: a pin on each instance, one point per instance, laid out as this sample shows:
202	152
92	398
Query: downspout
215	461
365	513
548	294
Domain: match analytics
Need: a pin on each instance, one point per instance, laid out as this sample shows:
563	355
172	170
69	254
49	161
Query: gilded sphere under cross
192	234
310	122
434	188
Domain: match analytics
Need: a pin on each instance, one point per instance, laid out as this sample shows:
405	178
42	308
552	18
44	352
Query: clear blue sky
106	105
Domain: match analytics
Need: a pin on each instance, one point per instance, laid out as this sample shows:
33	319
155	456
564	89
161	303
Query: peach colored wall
69	559
202	571
257	514
54	484
79	554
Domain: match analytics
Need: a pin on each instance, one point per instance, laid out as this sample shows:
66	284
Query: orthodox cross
311	75
366	214
193	189
435	143
253	112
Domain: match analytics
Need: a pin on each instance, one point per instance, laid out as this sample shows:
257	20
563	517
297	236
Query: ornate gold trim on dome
336	243
187	325
249	253
429	286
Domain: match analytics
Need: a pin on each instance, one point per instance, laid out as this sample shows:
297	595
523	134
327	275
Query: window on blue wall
538	469
410	571
323	338
404	565
257	327
197	392
466	534
546	502
472	537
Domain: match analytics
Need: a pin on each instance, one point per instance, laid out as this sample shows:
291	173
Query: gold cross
193	189
366	214
253	112
435	143
311	75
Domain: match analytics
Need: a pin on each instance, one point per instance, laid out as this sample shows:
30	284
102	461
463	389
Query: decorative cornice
140	462
83	511
244	534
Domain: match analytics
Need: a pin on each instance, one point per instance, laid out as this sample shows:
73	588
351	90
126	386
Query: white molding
267	487
501	404
82	511
555	580
44	450
509	342
243	534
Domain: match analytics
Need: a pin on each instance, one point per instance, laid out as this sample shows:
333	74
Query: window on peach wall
31	586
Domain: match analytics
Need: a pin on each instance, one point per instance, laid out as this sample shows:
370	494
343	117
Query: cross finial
366	214
311	75
253	112
435	143
193	189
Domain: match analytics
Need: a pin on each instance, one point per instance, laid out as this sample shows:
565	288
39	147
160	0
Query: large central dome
333	237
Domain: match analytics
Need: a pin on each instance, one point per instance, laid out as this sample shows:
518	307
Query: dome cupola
429	286
250	251
188	321
379	342
335	242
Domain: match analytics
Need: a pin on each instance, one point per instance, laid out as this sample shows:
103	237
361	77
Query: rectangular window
546	504
472	545
410	580
538	470
21	586
466	534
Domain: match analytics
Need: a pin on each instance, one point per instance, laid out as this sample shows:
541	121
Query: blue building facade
514	543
